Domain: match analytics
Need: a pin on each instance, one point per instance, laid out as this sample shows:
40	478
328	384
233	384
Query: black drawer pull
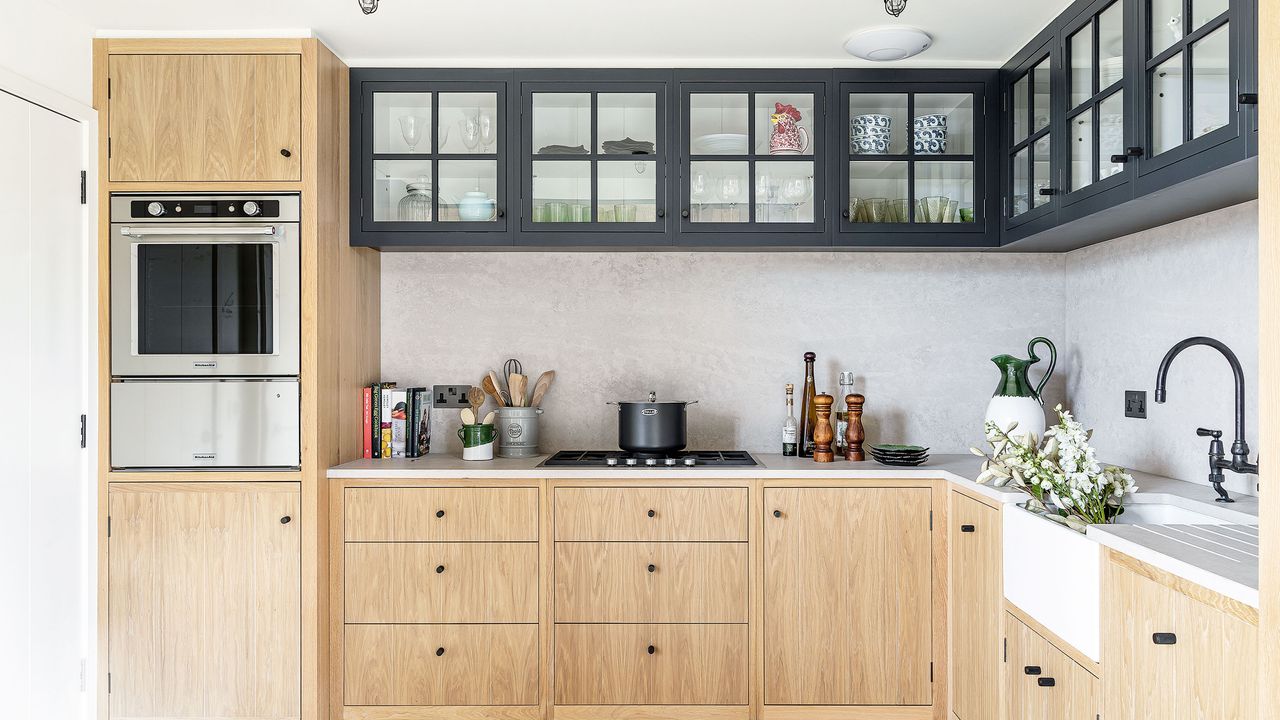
1164	638
439	569
777	513
967	528
285	520
439	513
652	568
651	513
1045	682
439	652
285	152
1031	670
652	649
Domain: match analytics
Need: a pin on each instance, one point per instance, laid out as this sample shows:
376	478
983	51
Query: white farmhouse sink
1160	509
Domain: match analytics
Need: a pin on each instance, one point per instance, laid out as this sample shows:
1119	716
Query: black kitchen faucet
1218	462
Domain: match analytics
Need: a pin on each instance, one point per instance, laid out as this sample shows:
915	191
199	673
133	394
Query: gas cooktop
682	459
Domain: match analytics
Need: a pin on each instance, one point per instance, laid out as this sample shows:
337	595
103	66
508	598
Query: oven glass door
205	299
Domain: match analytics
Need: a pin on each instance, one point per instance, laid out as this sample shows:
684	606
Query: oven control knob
690	461
651	462
631	461
250	208
155	209
669	462
611	462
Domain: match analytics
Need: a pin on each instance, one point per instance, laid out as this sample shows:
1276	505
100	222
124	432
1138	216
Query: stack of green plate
900	455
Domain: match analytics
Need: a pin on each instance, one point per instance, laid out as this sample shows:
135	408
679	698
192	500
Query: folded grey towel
627	147
562	150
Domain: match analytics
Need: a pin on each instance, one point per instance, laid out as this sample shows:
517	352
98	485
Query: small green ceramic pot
476	435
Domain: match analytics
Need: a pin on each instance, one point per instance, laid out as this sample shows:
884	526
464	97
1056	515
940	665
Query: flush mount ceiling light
895	7
371	6
886	44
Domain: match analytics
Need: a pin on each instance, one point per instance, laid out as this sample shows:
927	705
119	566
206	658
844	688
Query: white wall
727	329
49	45
1128	301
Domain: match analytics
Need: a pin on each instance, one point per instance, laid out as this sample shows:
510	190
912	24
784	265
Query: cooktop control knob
631	461
690	461
250	208
155	209
650	462
669	462
611	462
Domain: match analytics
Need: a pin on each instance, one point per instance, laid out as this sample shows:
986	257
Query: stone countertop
1222	558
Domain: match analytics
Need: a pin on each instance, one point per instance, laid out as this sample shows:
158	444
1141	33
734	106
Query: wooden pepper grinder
822	432
853	432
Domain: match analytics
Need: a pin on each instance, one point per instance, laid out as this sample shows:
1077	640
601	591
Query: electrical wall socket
1135	403
450	396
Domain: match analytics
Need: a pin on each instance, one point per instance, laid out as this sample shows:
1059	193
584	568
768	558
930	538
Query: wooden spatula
490	386
518	384
475	398
540	388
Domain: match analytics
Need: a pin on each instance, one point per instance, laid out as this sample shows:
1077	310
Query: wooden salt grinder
853	432
822	432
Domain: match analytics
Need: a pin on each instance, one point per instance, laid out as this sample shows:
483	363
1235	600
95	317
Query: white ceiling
587	33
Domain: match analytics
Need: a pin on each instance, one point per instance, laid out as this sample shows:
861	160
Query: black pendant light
371	6
895	7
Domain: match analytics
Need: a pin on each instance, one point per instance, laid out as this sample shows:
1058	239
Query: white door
44	473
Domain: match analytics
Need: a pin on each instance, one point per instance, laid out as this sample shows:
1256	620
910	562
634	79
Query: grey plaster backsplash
726	329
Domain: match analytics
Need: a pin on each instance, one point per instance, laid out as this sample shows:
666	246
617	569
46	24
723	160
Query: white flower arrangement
1063	477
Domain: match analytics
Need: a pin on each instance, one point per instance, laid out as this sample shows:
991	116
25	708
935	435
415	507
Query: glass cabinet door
1096	129
1030	150
437	157
1190	72
753	158
593	157
911	157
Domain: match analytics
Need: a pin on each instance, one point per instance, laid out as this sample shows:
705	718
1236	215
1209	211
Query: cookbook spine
367	423
375	420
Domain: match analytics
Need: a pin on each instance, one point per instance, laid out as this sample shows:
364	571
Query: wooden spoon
488	418
490	385
518	384
540	388
475	396
468	416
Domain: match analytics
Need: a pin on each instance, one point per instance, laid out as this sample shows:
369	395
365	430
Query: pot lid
653	400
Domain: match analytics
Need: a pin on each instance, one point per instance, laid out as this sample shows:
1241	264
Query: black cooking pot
652	427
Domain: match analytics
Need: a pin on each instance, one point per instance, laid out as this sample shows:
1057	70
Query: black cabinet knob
502	213
1045	682
1164	638
967	528
777	513
1247	98
845	213
684	213
651	513
652	649
439	652
285	152
652	568
662	213
439	513
439	569
1031	670
285	520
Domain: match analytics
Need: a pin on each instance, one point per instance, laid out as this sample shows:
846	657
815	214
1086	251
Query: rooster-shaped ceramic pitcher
788	137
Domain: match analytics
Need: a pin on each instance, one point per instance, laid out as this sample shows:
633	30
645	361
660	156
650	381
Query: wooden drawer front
689	665
479	665
1043	682
442	583
651	582
645	513
442	514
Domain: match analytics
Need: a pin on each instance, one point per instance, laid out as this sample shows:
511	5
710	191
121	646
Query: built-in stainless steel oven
205	331
204	285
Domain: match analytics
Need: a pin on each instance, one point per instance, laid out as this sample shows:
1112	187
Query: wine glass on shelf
488	130
469	125
699	191
731	192
412	128
795	192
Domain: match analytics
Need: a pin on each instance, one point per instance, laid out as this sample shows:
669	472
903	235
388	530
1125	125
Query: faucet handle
1204	432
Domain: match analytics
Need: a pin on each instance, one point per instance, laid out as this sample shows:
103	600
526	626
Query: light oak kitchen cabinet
1174	650
976	607
204	118
849	599
1042	682
204	600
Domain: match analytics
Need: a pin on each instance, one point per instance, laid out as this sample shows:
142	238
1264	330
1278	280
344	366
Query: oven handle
144	231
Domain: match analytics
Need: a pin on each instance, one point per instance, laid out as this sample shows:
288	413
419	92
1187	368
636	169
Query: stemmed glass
699	191
412	128
730	190
488	130
795	192
470	127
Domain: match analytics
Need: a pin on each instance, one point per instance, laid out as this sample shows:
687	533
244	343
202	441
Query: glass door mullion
435	150
752	210
595	162
911	158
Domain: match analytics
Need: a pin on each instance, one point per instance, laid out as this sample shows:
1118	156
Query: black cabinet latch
967	528
1164	638
1031	670
1045	682
1247	98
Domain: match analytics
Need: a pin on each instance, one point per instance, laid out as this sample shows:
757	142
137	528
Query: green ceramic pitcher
1015	399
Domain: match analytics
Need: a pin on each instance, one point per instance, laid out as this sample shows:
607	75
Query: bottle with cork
808	413
789	426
